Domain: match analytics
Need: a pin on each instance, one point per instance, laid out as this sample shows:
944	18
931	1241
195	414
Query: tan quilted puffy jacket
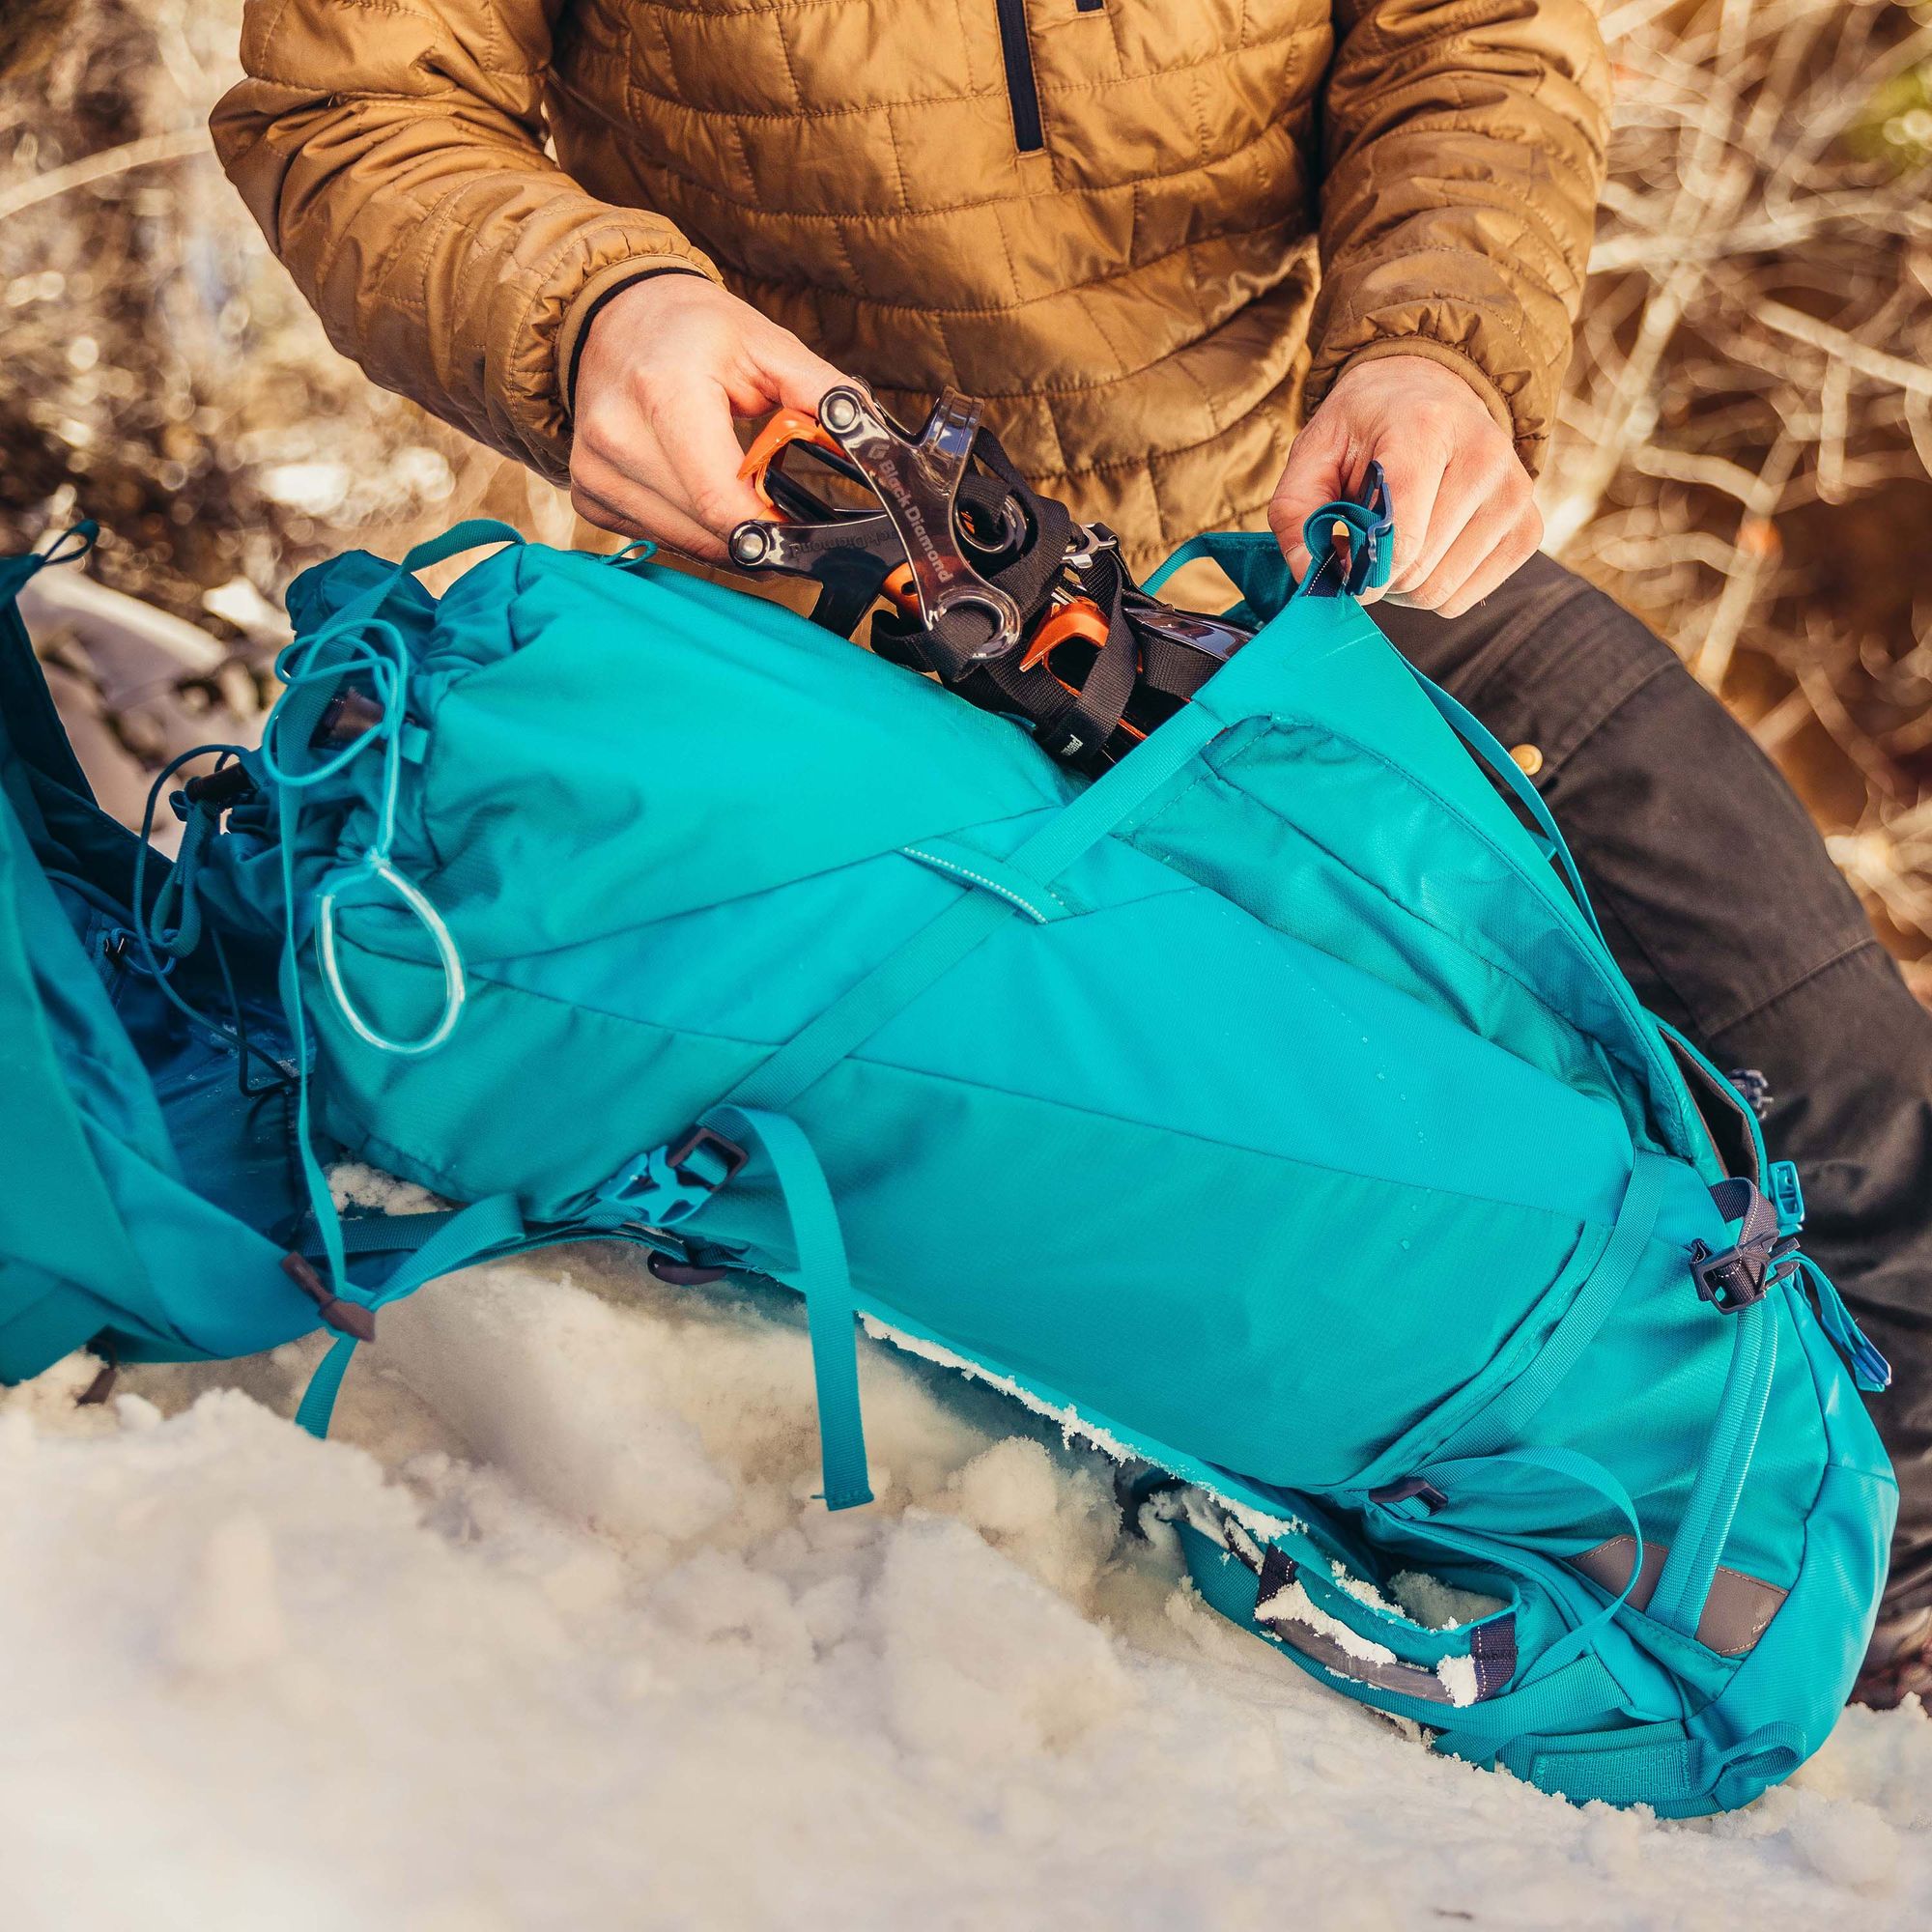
1134	227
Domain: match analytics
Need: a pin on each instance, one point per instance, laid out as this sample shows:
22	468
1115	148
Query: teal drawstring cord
153	936
300	668
375	649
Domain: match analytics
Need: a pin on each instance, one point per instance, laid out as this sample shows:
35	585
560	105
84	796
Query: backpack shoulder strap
28	716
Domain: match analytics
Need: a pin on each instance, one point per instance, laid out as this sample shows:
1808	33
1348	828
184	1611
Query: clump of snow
229	1620
1362	1589
353	1183
1438	1605
1457	1676
553	1635
1848	1842
983	1665
1292	1604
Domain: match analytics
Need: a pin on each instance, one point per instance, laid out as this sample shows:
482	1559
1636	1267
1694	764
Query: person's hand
1465	517
666	366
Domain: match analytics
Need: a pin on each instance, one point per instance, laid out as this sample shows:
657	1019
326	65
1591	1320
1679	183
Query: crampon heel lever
911	548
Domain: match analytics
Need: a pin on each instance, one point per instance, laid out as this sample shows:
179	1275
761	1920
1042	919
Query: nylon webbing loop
825	1280
1469	1476
1668	1771
442	1244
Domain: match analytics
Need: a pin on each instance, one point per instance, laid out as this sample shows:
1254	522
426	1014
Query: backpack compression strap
669	1184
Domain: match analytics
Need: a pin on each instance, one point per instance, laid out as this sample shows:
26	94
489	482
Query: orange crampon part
1077	617
786	428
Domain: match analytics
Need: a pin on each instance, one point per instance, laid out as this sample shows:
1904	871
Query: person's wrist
609	298
1433	368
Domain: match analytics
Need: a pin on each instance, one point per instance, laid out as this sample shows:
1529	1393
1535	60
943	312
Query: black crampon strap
1080	724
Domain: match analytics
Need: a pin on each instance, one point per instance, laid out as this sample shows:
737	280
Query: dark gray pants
1718	900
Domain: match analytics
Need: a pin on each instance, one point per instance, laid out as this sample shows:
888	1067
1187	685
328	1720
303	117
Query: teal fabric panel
104	1234
1300	1053
706	729
41	1319
61	1057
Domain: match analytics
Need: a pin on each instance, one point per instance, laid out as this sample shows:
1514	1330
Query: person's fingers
1486	528
788	374
1414	475
1515	548
694	431
1480	507
668	464
1313	476
1457	505
616	502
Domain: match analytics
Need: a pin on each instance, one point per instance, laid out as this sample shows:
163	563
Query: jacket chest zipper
1022	88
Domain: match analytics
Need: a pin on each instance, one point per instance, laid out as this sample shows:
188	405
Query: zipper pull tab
1869	1369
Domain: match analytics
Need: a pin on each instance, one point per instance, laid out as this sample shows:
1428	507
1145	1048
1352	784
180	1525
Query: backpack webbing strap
318	1403
443	1244
666	1186
825	1280
1678	1601
1475	1476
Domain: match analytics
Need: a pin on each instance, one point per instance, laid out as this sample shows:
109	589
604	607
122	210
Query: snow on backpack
1269	1109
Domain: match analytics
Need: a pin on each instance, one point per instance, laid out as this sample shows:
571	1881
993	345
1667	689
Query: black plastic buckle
1736	1279
226	786
730	1155
1366	546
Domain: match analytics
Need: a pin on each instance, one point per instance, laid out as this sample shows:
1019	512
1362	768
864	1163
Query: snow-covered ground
552	1634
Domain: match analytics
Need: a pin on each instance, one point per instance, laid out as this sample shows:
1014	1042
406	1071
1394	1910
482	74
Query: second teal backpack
1270	1109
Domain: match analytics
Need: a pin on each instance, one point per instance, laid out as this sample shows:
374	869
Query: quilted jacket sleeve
1463	154
393	156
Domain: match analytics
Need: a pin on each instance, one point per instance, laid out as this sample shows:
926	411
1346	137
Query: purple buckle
703	1139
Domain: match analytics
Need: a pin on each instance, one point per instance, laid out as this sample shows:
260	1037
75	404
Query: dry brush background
1745	456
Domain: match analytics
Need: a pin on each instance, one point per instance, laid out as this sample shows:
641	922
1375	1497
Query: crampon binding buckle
985	584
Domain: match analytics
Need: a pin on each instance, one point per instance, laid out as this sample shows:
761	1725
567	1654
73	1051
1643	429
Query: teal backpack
1269	1110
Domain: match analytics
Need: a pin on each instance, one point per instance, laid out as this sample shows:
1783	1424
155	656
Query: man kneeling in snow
1096	214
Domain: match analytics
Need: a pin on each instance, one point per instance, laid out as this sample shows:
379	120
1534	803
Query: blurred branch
1745	450
153	148
1845	348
